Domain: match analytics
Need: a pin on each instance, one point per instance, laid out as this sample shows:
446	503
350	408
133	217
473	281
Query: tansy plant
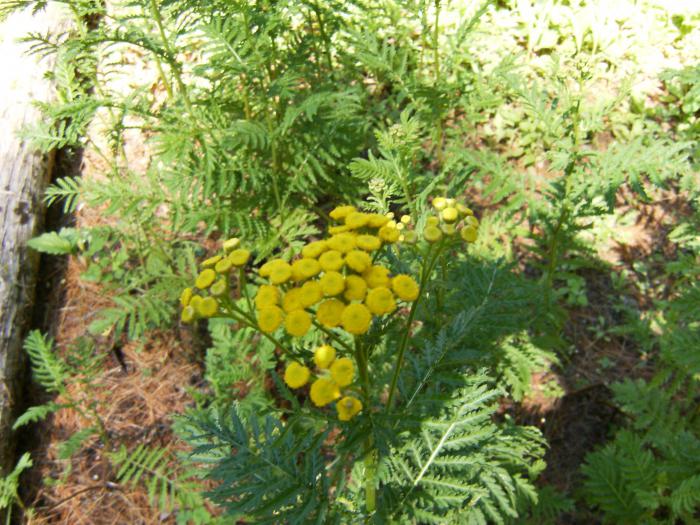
342	314
335	286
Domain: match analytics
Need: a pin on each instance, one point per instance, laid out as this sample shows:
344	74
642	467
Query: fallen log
24	174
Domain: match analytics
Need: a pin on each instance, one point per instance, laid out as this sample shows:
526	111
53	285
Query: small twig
108	485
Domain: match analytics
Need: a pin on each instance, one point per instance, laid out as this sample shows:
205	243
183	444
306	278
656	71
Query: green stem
436	66
427	272
370	452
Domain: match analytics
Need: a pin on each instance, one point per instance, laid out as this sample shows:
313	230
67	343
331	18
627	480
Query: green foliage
9	487
649	472
264	469
169	488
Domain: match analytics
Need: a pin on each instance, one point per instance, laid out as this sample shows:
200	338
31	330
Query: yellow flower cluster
333	375
335	281
202	301
452	217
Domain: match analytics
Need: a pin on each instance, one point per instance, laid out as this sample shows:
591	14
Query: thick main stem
370	453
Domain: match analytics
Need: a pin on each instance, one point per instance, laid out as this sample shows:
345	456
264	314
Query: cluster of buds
212	283
451	217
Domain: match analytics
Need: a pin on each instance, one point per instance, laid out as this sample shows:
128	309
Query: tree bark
24	174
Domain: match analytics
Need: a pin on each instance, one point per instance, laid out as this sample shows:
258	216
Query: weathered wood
24	174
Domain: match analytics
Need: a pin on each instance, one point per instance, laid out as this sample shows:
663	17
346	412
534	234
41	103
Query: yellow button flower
368	243
376	276
205	279
356	319
224	265
333	230
432	233
311	293
207	307
356	220
324	391
211	261
324	356
267	295
195	302
332	283
380	301
270	318
306	268
185	297
450	215
469	234
297	323
448	229
292	300
439	203
296	375
239	257
188	315
343	371
219	288
342	242
405	287
314	249
464	210
280	273
358	260
266	269
432	221
330	312
348	407
389	234
331	261
231	244
405	219
472	221
341	212
376	220
355	288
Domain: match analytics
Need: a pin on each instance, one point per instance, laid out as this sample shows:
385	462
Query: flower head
311	293
270	318
356	319
205	279
368	243
376	276
231	244
185	297
323	391
331	261
297	322
342	242
469	234
405	288
207	307
314	249
211	261
224	265
280	273
292	300
343	371
324	356
380	301
355	288
389	234
432	233
267	295
450	215
296	375
332	283
330	312
348	407
239	257
376	220
358	260
356	219
439	203
341	212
